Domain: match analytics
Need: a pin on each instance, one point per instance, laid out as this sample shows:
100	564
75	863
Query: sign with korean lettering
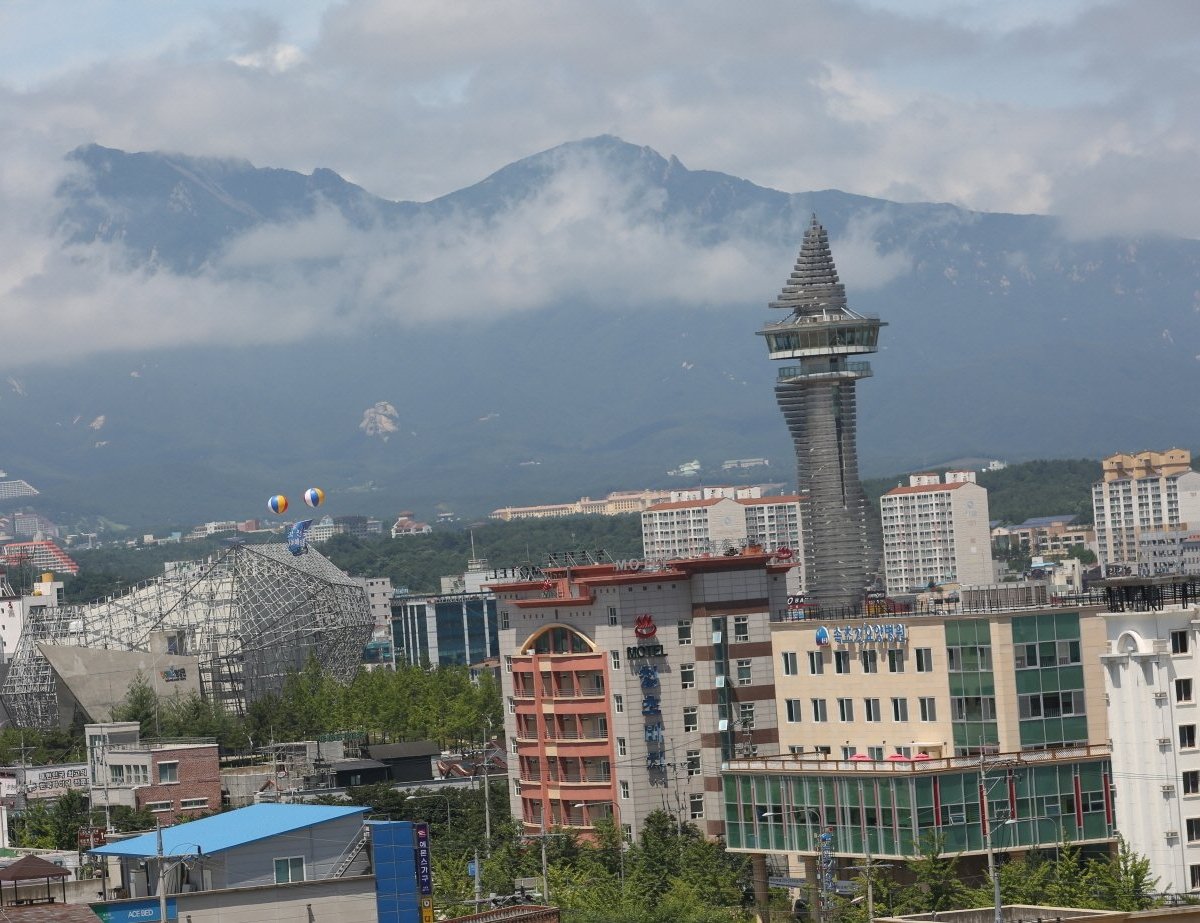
424	859
427	910
892	633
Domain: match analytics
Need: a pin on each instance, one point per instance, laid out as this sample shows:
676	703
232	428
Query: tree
141	705
937	885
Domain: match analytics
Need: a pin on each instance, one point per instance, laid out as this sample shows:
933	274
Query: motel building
627	688
977	726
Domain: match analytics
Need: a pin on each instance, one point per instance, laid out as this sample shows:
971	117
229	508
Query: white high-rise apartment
689	528
1149	491
936	532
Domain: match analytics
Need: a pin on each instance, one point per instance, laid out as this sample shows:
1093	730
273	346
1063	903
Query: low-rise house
173	778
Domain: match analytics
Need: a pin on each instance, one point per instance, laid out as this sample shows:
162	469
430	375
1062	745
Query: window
504	619
1179	642
1187	735
512	705
512	744
746	714
687	675
1194	872
744	676
1191	782
870	661
684	630
819	711
619	704
928	708
615	658
613	619
507	663
159	806
741	628
823	751
924	660
168	773
895	661
1193	829
793	711
875	753
289	869
789	663
899	709
845	709
190	804
691	719
116	775
693	762
696	806
624	790
968	659
621	751
841	661
848	752
1183	690
816	663
871	708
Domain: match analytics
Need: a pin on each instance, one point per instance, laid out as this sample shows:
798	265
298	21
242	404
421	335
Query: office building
1149	491
936	533
898	728
816	393
626	689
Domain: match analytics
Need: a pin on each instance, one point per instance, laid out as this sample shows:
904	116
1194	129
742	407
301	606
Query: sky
1083	109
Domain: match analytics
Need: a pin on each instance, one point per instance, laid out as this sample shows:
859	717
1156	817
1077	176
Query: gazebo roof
28	868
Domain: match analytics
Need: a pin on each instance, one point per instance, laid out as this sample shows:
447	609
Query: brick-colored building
173	778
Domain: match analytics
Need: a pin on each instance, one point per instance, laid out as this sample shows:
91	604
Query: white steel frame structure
250	614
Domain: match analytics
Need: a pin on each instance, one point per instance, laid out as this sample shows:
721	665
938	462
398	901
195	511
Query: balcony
848	372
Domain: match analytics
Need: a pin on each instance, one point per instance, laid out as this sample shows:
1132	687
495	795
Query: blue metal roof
1040	522
225	831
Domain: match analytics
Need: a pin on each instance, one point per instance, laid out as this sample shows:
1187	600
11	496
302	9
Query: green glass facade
1049	677
889	814
972	686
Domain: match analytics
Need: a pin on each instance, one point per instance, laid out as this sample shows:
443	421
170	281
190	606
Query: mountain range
580	321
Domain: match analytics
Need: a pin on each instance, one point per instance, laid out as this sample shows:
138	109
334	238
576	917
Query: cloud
1086	112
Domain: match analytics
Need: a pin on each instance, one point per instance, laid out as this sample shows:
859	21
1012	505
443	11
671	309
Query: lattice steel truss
250	614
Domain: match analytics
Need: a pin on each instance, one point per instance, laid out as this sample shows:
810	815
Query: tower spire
816	392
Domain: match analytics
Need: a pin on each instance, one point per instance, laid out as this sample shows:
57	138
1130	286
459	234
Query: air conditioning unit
1160	697
1164	741
1168	789
1172	834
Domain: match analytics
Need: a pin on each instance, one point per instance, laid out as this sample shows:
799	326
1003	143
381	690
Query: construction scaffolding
250	614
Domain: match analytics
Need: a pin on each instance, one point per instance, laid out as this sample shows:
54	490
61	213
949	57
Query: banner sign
424	862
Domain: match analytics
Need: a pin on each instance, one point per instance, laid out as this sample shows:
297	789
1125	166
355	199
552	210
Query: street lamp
991	854
620	833
443	797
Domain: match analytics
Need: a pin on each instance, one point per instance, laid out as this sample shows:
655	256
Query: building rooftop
229	830
927	488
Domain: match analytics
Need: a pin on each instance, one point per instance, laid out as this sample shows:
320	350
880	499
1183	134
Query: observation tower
816	392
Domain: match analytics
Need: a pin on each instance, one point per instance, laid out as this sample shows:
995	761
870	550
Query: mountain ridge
1004	339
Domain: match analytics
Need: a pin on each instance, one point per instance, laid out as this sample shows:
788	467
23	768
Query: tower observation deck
816	392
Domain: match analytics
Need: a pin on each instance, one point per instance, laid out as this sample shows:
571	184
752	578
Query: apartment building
627	689
1149	491
1152	675
936	532
716	524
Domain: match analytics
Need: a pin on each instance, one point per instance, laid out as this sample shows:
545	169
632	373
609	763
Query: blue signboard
142	911
424	862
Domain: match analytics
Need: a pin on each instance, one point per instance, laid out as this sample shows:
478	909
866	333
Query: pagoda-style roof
813	287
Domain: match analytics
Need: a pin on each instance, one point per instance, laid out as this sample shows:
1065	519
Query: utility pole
162	874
